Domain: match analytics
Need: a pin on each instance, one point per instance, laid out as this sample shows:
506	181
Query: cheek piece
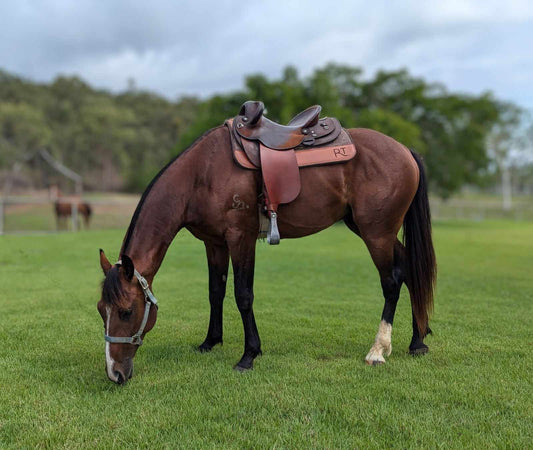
149	300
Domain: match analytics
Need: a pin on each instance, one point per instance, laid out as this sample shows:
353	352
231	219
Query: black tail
421	264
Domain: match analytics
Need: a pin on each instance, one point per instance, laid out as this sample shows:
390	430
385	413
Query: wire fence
37	215
482	208
26	215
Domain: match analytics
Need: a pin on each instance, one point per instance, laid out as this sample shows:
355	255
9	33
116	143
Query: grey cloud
201	47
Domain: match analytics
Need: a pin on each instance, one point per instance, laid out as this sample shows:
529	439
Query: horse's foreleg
387	255
218	262
242	250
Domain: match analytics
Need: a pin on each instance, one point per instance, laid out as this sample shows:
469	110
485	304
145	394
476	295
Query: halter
149	299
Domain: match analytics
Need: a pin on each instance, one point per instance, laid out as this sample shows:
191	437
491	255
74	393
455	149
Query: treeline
113	141
119	141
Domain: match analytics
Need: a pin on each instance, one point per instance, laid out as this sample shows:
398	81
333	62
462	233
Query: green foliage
393	124
209	114
120	141
22	129
311	388
114	141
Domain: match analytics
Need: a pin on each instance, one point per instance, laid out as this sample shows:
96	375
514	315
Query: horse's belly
321	203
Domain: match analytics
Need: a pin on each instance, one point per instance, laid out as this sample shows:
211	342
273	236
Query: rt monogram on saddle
300	178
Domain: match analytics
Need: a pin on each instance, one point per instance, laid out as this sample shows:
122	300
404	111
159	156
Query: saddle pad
340	150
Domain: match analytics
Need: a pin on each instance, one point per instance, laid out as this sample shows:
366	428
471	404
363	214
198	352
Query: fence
482	208
37	215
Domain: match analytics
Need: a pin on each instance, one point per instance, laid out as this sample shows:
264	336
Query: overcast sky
183	47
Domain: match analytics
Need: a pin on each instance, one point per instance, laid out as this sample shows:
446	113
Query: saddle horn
252	111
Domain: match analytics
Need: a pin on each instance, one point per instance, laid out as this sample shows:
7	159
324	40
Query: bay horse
375	193
63	210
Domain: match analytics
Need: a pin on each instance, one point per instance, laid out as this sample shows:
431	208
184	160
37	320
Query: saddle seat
251	124
280	150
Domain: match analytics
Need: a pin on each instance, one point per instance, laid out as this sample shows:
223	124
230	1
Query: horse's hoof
419	351
375	362
206	346
242	369
375	357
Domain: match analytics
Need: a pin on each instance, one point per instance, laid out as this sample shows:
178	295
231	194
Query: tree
503	138
23	130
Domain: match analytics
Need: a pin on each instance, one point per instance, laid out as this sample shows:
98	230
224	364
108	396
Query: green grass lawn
310	388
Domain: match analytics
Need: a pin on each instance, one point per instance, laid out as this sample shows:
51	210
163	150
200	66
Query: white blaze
110	362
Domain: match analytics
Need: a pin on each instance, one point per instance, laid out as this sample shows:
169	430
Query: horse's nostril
120	378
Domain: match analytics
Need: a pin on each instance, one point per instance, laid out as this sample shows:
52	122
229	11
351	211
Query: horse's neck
161	215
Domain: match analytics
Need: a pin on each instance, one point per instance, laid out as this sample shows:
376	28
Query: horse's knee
217	294
245	300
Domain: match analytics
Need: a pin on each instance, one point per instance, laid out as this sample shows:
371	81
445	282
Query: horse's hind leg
388	256
218	262
417	346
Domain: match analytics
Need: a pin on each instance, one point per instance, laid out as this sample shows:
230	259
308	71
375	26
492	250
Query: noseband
149	299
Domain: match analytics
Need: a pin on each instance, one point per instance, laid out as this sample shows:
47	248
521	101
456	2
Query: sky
199	47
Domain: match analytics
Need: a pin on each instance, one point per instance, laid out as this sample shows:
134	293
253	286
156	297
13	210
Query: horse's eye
124	314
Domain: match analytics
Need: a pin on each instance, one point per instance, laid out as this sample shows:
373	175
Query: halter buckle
136	340
143	282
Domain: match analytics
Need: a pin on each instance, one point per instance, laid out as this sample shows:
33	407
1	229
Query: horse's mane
135	216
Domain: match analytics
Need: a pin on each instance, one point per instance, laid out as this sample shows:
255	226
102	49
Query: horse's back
378	154
377	185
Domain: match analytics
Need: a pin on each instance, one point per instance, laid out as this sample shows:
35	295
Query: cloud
203	47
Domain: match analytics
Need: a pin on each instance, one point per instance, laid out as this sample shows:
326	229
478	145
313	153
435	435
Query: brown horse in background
63	210
381	189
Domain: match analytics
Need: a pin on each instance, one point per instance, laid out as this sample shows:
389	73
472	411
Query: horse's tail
421	264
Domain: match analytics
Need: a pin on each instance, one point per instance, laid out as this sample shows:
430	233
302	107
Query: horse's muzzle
121	372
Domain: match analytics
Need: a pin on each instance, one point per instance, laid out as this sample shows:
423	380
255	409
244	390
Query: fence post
74	216
1	216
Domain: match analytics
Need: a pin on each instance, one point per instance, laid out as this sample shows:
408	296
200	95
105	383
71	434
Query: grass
318	305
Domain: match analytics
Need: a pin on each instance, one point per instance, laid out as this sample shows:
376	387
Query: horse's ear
104	262
127	265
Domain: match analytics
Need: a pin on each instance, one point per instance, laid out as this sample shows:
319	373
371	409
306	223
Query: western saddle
280	150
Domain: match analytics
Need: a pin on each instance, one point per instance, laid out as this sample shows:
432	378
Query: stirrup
273	236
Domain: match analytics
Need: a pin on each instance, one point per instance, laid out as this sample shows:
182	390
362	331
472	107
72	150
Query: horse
382	188
63	211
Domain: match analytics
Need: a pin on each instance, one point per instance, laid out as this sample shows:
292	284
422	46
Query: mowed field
318	305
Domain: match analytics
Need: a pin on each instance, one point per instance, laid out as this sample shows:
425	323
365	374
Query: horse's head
129	310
